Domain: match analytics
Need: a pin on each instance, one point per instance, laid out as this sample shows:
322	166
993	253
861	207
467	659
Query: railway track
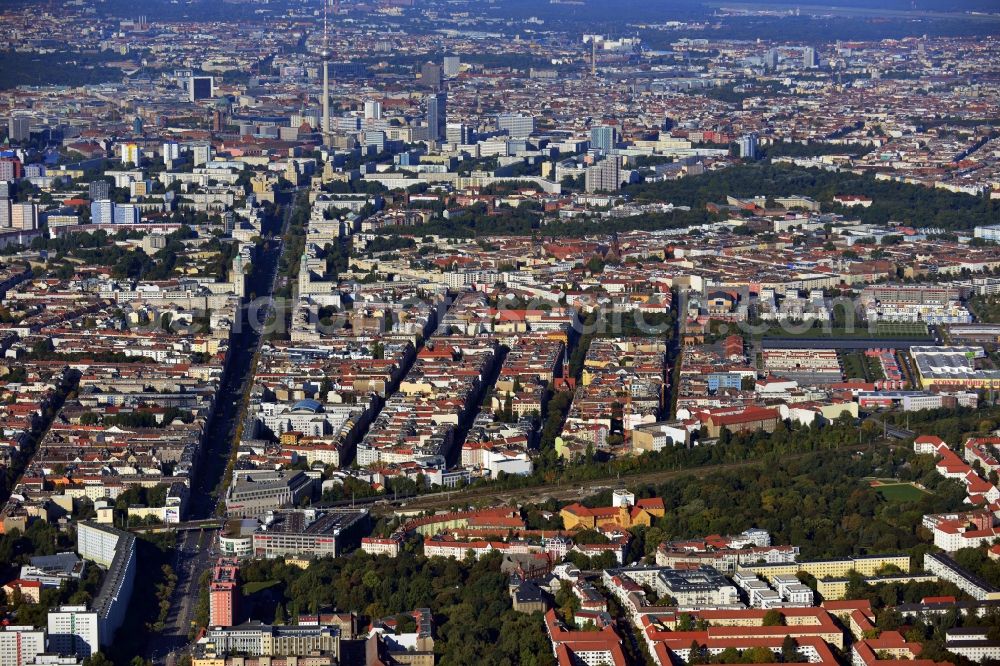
569	491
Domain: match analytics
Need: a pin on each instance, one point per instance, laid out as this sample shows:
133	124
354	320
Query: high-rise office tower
373	110
201	153
375	138
201	87
4	213
347	123
810	59
312	117
11	168
437	116
127	214
137	126
99	190
516	125
748	146
459	133
171	151
431	76
771	59
24	216
131	154
102	211
605	176
603	138
19	128
452	65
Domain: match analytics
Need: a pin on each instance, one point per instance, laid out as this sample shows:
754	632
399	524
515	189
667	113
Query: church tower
304	274
238	278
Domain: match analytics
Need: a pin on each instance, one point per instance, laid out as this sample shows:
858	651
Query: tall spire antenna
326	56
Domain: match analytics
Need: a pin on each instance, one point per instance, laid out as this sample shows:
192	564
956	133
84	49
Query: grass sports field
889	330
901	329
896	491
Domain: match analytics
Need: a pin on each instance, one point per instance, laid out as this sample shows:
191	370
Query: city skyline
442	332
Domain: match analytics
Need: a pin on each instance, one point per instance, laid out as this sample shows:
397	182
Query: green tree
789	650
729	656
696	654
97	659
773	618
567	601
888	619
758	655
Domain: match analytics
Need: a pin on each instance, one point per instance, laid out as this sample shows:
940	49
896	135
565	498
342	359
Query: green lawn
882	329
816	331
259	586
894	329
853	363
900	492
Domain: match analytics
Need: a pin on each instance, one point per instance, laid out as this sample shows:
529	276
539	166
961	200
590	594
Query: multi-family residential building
224	594
74	630
19	645
948	569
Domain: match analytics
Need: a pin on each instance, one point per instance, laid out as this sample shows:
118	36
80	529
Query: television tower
326	56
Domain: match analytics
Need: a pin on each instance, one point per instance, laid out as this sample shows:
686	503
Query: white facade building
96	543
113	550
515	124
73	630
973	643
510	462
20	644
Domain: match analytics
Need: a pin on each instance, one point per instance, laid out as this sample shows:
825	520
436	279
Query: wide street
195	548
192	556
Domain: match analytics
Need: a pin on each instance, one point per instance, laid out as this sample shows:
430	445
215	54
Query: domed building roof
308	405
